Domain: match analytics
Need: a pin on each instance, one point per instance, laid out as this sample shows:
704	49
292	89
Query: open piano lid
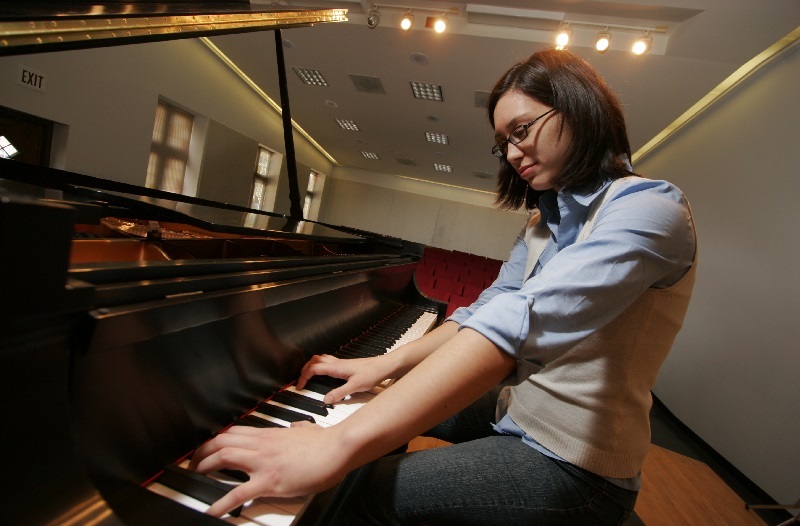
42	26
127	200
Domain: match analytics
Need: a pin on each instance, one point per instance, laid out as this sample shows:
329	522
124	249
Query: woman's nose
513	152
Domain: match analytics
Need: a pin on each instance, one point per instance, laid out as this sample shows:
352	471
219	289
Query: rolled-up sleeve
643	237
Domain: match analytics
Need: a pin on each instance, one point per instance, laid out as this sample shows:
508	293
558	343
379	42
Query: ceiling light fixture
563	36
407	22
439	138
373	18
437	20
348	125
642	44
426	91
310	76
603	41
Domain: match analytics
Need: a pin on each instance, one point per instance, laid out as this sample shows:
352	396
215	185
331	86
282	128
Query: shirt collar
587	199
551	201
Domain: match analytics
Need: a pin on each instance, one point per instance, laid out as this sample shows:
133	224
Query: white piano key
324	421
191	502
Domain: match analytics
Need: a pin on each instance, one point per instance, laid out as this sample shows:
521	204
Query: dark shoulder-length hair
567	83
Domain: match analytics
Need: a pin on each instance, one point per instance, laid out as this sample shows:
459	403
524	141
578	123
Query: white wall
733	374
435	215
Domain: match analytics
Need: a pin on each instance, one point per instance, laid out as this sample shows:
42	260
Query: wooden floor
676	491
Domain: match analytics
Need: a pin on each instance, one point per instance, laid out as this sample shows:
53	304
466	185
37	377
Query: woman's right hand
361	374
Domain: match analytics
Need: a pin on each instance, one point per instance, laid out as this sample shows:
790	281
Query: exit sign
31	78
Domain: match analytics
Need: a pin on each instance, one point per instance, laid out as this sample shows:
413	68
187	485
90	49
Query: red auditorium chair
471	292
449	285
426	267
455	302
476	278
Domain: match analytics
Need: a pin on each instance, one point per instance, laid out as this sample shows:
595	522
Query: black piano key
255	421
301	402
330	381
283	413
317	387
366	347
196	485
346	352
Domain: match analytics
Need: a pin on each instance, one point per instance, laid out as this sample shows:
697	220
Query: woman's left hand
292	462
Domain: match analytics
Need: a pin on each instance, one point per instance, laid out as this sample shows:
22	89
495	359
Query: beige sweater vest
591	405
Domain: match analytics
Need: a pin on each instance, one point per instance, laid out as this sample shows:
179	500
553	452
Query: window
7	150
260	181
312	200
169	151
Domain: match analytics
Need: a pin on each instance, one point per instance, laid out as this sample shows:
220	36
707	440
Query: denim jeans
483	479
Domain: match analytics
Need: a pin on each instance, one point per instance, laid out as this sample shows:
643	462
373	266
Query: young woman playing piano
576	327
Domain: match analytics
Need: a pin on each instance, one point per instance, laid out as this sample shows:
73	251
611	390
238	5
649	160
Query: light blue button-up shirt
643	237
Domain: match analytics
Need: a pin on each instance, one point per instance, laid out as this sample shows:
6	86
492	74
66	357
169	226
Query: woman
576	326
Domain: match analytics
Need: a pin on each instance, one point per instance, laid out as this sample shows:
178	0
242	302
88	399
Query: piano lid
96	198
43	26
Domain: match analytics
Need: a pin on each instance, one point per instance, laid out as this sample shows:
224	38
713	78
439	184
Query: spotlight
373	18
563	37
408	20
440	25
603	41
642	44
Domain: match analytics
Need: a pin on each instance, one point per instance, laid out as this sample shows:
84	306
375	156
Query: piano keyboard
291	404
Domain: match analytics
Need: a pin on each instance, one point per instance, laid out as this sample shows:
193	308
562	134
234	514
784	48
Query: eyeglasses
517	136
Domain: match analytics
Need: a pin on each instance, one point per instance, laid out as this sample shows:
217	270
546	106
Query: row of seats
455	277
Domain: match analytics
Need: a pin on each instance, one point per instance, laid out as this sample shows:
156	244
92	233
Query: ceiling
704	41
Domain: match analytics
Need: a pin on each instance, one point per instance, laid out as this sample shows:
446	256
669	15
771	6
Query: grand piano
136	324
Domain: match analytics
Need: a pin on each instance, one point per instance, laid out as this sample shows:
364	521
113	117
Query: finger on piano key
324	384
196	485
191	502
348	406
272	511
192	492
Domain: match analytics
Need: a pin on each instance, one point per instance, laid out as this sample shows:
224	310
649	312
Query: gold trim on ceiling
748	68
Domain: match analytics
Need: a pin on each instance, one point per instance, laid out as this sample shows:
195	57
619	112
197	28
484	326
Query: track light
373	18
563	36
437	20
603	41
642	44
407	22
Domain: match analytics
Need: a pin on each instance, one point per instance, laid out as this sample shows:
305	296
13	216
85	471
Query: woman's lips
526	172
